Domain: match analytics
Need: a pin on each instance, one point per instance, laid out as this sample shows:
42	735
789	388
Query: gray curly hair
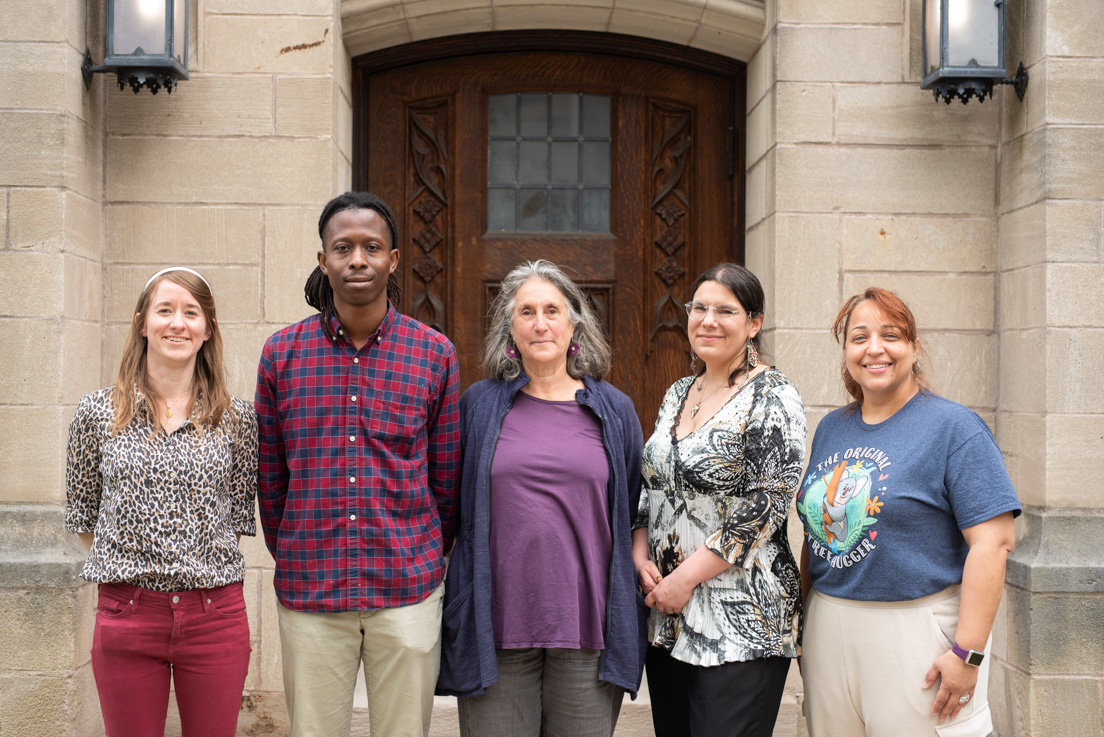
593	358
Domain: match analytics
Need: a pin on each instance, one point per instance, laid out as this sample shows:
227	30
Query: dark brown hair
745	286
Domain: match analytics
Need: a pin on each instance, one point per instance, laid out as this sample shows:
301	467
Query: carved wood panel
427	215
670	174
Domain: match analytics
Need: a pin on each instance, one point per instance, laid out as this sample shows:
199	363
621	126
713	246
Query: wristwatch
972	657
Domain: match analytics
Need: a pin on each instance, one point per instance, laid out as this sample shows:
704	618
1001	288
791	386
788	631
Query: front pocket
229	606
113	608
943	616
397	423
978	724
460	656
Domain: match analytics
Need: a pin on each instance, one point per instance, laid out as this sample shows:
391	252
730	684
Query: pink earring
511	351
573	348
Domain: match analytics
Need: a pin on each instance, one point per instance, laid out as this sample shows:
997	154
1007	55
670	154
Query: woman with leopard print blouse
160	485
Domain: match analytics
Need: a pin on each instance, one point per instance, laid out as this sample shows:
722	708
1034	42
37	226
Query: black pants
727	700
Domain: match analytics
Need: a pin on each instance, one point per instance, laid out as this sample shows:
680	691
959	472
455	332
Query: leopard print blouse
164	508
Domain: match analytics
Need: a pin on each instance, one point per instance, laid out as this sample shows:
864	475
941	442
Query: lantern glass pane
973	33
180	31
931	39
139	27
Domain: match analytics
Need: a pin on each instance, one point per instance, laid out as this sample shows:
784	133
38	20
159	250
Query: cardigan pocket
459	646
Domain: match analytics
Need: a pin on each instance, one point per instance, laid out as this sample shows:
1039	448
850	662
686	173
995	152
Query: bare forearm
982	586
671	593
806	579
983	579
87	538
640	546
702	565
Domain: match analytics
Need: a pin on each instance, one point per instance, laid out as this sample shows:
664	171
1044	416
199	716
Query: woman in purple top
543	631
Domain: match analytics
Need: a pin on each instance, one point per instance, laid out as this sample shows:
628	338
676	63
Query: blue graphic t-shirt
883	505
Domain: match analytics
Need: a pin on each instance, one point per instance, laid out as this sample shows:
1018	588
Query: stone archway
732	28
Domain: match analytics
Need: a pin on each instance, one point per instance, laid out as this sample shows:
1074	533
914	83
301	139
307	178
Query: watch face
975	658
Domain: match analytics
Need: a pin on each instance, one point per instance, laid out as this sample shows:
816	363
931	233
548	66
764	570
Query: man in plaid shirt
359	458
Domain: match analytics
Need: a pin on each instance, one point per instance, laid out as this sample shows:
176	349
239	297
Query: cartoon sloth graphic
834	507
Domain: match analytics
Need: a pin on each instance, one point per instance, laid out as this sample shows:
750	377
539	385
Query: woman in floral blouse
711	552
160	482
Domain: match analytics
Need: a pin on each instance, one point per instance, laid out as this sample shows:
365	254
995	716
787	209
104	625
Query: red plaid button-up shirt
359	462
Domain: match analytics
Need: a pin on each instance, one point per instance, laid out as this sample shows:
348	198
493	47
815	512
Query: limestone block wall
50	277
856	178
1051	418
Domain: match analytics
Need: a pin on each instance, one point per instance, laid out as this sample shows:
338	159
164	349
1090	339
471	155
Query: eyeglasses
696	311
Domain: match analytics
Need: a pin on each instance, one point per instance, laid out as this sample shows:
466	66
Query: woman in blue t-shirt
908	511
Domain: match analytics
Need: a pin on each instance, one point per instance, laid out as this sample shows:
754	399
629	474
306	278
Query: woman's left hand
956	680
671	594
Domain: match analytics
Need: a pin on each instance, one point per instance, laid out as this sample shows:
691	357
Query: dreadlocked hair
317	290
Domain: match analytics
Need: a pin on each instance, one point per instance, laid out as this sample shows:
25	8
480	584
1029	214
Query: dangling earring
512	351
573	348
693	363
752	356
915	367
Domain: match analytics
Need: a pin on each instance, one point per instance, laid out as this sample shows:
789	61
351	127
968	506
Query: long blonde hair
208	381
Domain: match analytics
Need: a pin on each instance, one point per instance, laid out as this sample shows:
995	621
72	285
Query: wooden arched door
625	168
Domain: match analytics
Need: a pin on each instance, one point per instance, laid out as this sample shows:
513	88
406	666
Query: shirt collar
385	327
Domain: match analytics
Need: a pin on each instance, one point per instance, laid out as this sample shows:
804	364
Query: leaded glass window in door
548	162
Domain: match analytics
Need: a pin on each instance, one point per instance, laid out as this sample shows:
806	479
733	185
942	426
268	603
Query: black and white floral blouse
165	508
728	486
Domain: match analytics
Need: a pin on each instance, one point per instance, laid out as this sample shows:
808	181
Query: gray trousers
544	692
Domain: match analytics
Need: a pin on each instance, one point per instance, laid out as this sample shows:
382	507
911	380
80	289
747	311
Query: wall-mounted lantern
963	50
147	44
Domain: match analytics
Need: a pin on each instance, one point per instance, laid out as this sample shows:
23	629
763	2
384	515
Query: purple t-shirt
550	527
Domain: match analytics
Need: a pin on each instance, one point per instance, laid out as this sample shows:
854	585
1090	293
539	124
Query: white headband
176	268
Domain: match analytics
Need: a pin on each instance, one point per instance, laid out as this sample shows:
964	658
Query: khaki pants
863	664
400	649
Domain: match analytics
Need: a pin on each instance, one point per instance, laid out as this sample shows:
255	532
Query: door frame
562	41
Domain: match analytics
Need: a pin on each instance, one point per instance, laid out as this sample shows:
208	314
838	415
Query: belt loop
136	594
205	599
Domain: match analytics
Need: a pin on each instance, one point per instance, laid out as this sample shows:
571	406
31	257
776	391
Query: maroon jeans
199	639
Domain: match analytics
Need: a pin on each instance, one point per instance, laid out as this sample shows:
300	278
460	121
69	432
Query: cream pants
863	664
399	648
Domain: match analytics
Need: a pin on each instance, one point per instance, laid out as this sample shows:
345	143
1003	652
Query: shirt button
340	332
352	479
352	438
354	397
352	516
356	360
176	600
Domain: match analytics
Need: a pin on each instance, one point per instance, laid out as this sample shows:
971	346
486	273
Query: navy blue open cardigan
468	664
